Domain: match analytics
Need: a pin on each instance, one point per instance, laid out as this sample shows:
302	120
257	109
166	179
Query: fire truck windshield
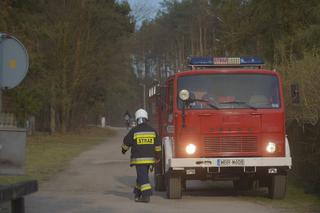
226	91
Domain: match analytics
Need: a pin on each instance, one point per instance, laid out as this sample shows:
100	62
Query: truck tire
174	187
184	185
254	185
17	205
159	176
159	182
278	187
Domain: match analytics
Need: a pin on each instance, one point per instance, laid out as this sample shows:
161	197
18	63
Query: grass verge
49	154
296	201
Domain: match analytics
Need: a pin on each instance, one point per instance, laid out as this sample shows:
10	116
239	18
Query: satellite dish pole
14	63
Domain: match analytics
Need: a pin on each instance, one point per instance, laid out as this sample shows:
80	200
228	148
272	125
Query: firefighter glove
123	151
151	168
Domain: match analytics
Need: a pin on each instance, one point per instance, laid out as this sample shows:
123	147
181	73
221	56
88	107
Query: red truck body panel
222	132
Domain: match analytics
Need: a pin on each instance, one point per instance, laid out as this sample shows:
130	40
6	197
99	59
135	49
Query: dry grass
49	154
296	201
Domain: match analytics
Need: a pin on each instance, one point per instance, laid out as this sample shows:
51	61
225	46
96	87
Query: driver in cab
199	98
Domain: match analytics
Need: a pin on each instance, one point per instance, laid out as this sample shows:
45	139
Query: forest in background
80	61
88	59
286	34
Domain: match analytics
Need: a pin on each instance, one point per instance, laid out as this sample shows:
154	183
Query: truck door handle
256	113
206	114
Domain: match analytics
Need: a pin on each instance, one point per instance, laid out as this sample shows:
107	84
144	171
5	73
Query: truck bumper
181	163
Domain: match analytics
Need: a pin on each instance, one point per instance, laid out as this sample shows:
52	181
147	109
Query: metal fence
8	120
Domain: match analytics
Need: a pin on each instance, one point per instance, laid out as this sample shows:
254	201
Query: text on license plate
230	162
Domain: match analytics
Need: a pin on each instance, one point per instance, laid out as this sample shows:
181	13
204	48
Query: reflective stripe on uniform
125	147
144	135
138	187
142	160
145	187
157	148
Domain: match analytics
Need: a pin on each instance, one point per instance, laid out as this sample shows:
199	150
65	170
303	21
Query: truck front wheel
159	182
278	186
174	186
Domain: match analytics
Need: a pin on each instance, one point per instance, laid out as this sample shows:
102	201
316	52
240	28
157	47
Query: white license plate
230	162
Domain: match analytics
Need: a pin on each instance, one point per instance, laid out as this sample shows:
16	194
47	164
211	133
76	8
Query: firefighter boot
136	198
144	199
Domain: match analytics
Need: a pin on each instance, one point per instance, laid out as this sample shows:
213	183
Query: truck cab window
231	91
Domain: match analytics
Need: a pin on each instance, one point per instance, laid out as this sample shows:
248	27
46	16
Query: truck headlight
191	149
271	147
184	94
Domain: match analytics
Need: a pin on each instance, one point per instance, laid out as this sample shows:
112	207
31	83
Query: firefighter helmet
141	115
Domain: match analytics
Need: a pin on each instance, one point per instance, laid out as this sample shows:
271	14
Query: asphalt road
100	180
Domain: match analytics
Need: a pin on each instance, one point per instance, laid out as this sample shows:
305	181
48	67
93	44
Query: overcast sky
143	9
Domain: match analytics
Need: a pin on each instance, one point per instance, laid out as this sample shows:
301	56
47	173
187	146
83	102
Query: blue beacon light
207	61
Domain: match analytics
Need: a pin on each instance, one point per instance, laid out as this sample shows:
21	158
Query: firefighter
127	118
145	152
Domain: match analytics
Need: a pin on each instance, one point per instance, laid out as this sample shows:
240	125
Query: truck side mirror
295	96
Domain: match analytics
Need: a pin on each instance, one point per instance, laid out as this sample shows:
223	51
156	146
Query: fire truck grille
230	144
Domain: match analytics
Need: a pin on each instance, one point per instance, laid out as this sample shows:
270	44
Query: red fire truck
223	119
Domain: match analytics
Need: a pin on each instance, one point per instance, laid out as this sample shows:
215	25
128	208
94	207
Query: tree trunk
52	110
200	39
205	50
75	84
52	119
65	99
192	44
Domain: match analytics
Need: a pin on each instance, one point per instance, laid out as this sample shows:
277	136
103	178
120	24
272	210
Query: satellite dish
14	61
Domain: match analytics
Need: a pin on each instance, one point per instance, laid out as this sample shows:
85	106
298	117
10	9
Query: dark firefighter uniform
145	150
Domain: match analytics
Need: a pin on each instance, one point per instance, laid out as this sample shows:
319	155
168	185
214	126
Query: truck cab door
169	116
